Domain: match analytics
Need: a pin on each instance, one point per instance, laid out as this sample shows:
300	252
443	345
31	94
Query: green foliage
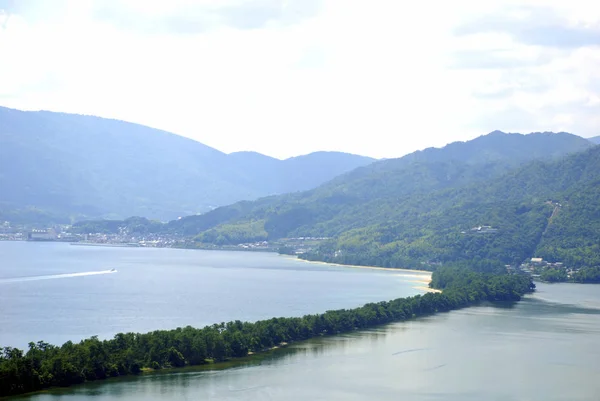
573	237
426	240
481	285
554	275
587	275
286	250
45	365
247	231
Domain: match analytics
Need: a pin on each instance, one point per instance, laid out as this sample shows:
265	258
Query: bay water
58	292
546	347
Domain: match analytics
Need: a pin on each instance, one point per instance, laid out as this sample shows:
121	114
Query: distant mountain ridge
595	140
299	172
504	146
59	166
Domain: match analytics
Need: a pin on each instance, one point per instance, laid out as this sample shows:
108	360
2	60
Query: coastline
426	275
421	272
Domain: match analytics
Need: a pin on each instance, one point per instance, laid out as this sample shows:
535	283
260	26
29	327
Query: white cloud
381	78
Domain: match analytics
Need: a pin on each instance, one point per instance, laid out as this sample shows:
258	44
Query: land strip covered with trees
44	365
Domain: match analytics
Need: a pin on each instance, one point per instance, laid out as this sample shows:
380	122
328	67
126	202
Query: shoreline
415	273
421	272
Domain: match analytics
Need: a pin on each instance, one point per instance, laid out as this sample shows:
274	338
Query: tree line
44	365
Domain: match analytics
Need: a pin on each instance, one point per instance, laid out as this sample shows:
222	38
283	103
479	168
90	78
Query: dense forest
44	365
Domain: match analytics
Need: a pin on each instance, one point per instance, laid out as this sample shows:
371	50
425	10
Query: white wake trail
54	276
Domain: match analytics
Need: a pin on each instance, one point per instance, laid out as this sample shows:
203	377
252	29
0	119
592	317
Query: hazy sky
373	77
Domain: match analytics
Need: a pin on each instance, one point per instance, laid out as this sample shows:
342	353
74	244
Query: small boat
113	270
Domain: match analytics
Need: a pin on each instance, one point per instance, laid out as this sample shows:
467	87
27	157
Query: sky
380	78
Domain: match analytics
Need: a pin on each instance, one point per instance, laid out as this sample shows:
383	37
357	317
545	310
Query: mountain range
495	200
498	199
346	199
59	167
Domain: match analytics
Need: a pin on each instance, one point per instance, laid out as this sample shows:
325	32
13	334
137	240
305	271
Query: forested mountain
548	210
416	214
595	140
56	166
455	165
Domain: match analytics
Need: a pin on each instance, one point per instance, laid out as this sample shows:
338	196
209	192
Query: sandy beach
422	277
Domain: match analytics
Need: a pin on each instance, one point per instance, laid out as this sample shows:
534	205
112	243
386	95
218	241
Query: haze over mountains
56	166
64	167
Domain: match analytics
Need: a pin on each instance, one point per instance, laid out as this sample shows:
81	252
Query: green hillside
360	197
57	167
425	230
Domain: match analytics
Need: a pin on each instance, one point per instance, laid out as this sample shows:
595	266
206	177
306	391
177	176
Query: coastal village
63	233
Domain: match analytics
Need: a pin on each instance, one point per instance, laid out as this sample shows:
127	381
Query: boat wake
55	276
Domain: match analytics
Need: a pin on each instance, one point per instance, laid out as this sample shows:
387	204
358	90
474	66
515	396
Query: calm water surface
58	292
546	347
